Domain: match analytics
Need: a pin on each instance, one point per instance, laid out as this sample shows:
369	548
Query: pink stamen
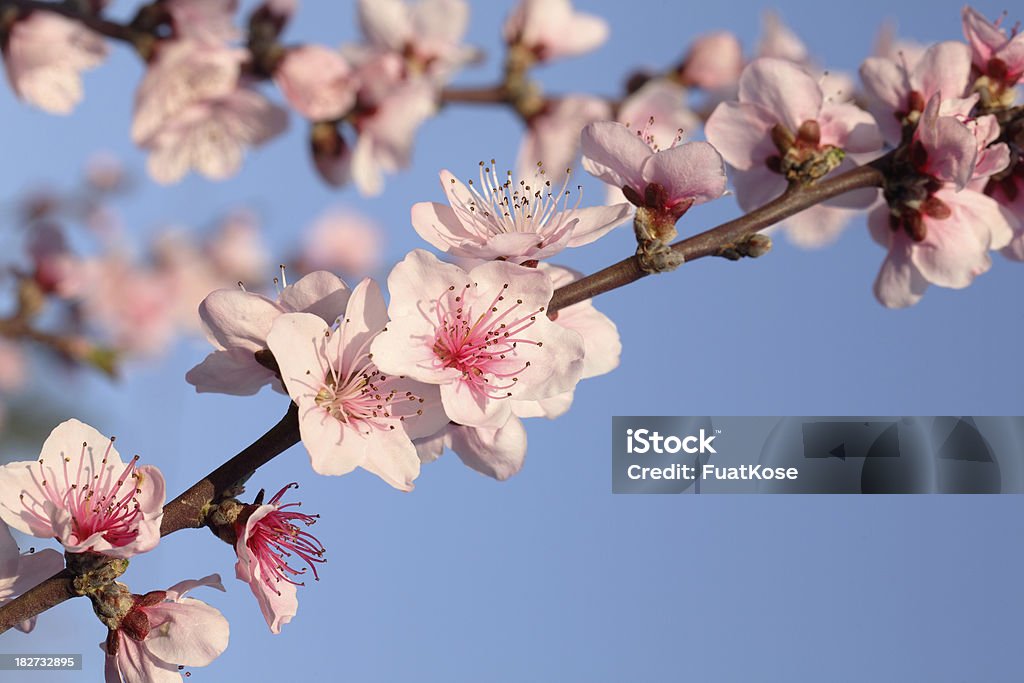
278	536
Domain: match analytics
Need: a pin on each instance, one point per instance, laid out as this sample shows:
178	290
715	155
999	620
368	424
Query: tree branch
188	509
713	241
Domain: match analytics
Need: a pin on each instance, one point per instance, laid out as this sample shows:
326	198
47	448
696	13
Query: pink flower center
278	539
96	501
356	392
482	347
498	208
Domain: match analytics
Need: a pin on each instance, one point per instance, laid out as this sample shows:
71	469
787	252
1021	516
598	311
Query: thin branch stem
495	94
713	241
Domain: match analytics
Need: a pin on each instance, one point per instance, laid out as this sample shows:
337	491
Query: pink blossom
342	241
181	74
44	56
237	324
713	62
193	113
938	226
211	137
390	109
517	221
779	41
553	134
601	345
663	182
236	250
897	89
317	82
997	56
353	413
210	21
13	366
551	29
1008	190
784	129
131	303
79	492
658	110
428	33
20	572
952	251
498	452
164	632
482	336
270	539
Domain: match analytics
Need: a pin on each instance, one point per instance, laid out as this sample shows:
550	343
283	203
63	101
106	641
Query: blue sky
549	577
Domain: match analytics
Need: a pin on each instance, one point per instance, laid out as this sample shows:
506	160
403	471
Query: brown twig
713	241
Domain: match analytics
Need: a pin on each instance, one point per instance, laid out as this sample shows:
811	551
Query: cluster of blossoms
461	351
104	511
83	293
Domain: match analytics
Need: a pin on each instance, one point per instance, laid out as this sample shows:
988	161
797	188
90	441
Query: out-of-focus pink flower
898	89
781	127
180	74
937	226
498	452
272	537
553	134
519	221
601	344
664	183
236	250
104	172
79	492
44	56
133	305
317	82
54	264
389	111
890	46
163	633
20	572
779	41
713	62
426	33
552	29
482	336
211	137
344	242
997	56
237	324
12	366
192	112
209	21
353	413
